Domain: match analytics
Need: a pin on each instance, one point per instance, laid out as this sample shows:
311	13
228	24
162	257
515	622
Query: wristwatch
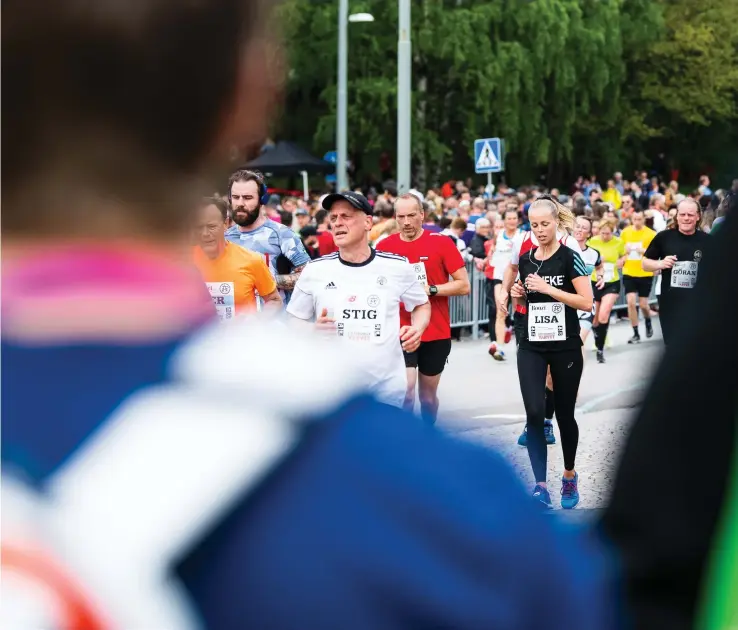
433	289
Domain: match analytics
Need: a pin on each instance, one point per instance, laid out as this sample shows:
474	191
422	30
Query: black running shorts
641	286
610	287
430	358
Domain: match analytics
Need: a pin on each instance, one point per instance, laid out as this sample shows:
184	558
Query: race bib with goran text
684	274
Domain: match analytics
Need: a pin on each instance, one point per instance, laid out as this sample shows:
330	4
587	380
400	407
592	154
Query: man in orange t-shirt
234	275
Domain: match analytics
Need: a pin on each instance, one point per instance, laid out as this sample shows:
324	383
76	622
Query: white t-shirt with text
364	299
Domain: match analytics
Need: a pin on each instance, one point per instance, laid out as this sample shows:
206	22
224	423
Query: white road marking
585	408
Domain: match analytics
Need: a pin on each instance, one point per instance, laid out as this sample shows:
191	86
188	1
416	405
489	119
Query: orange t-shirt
233	278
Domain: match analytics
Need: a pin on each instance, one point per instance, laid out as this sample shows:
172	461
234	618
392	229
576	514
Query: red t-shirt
326	244
435	257
489	270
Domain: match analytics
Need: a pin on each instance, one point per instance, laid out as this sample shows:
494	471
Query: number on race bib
634	252
684	274
361	317
609	272
224	299
546	322
419	269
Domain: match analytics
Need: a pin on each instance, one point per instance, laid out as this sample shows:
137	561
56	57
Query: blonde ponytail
565	219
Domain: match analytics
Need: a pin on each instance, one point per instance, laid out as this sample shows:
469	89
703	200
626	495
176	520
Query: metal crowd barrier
471	311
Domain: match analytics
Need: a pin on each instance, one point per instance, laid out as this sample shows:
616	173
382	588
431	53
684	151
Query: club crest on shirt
698	255
381	281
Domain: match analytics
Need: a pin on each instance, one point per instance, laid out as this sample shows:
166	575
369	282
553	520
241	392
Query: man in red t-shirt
434	257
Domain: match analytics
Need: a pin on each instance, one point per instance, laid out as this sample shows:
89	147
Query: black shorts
610	287
430	358
641	286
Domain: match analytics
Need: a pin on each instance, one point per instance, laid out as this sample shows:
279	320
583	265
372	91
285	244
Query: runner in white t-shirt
355	294
522	245
500	261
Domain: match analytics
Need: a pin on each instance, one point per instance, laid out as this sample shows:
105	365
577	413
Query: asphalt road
480	401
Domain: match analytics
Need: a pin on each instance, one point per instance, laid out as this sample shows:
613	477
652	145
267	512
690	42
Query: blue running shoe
548	430
569	492
523	439
541	496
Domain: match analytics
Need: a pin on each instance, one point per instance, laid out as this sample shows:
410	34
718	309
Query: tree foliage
572	85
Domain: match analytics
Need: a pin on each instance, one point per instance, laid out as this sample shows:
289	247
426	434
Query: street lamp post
404	96
342	84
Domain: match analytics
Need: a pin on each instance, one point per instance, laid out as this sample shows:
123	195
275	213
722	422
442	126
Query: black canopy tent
289	159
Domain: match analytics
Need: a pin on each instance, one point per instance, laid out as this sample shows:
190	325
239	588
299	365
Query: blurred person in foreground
163	479
673	515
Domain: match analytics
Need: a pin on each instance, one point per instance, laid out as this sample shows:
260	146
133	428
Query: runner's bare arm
272	300
287	281
420	317
657	265
507	281
459	285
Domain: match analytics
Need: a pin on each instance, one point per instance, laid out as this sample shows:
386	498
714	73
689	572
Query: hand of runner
534	282
502	302
668	262
410	338
517	291
324	323
600	284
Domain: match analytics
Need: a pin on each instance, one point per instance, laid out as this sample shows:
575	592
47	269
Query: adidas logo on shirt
331	285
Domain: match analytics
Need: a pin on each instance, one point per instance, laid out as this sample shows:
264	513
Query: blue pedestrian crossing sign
488	155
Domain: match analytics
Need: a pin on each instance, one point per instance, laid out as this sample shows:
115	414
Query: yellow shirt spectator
612	195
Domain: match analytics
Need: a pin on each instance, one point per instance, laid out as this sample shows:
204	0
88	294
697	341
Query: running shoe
495	352
600	356
523	439
649	329
542	497
548	430
508	335
569	492
636	339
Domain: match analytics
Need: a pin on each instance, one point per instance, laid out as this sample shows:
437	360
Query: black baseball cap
355	199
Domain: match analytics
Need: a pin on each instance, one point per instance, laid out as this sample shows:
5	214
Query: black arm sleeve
654	251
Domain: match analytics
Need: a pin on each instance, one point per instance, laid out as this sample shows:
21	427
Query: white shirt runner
546	321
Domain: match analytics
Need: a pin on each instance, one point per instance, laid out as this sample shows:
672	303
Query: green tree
572	85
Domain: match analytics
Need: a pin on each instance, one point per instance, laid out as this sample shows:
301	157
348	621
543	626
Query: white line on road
585	408
591	404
